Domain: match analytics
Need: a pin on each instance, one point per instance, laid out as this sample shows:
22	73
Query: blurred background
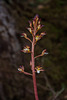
14	17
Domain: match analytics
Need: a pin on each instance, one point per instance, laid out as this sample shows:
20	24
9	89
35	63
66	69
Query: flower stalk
33	29
33	68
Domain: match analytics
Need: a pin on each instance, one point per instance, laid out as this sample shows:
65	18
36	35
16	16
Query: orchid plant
33	29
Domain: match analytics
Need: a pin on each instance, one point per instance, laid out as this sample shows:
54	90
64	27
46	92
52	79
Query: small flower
38	69
26	49
43	33
44	52
37	37
24	35
36	17
21	69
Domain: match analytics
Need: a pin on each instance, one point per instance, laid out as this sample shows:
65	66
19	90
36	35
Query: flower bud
36	17
30	30
43	52
24	35
39	21
35	20
30	23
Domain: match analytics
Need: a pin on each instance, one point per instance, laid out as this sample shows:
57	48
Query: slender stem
29	39
37	56
27	73
33	70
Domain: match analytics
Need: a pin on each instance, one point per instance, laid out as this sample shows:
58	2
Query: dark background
14	17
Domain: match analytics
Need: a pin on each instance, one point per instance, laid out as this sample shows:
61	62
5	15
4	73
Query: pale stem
27	73
28	39
33	70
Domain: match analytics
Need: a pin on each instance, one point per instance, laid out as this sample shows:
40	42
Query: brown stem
33	70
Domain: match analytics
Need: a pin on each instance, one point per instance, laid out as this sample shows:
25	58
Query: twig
58	93
49	85
55	94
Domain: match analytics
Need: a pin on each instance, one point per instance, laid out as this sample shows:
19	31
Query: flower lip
46	53
38	71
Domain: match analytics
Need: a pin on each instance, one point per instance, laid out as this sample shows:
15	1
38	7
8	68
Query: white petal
46	53
38	71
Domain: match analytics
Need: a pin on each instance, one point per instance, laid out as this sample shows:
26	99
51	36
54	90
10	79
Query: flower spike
33	28
26	49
